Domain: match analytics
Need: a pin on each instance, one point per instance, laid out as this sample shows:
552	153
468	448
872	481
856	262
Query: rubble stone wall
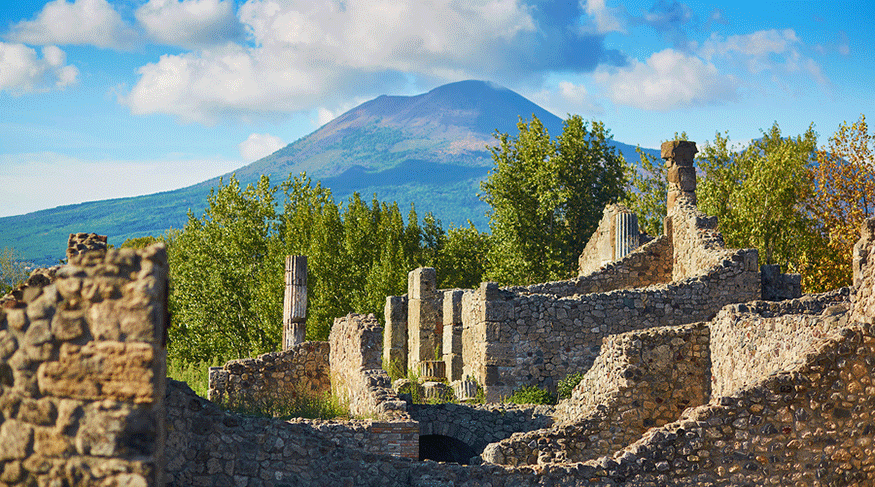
512	339
301	370
357	376
807	425
82	373
752	340
641	379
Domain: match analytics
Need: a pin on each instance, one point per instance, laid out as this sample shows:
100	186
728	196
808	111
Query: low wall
82	373
750	341
641	379
513	339
301	370
807	425
357	376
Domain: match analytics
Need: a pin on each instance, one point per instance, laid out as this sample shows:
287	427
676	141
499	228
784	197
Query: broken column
424	323
452	336
626	235
680	173
79	243
295	301
395	335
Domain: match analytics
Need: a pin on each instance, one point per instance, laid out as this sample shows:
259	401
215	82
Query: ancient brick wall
82	373
641	379
752	340
357	376
299	371
513	339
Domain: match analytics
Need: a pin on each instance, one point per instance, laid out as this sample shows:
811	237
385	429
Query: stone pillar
395	334
680	173
452	339
295	301
625	234
424	323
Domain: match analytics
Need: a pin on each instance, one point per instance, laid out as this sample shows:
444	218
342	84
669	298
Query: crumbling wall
512	339
641	379
806	425
752	340
300	371
357	376
863	263
82	373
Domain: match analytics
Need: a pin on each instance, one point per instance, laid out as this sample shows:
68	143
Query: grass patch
196	375
289	405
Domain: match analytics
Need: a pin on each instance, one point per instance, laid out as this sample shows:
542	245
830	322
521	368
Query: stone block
681	152
452	312
16	438
422	283
683	176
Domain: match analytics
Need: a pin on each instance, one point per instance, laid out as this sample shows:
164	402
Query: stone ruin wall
513	339
357	375
752	340
300	371
82	373
641	379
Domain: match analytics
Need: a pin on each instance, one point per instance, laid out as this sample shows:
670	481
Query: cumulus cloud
606	19
83	22
301	54
257	146
568	97
668	79
670	19
775	51
22	71
190	23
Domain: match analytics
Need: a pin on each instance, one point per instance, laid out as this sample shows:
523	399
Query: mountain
428	149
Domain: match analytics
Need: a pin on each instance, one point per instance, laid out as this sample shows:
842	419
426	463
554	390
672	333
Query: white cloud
568	98
22	71
606	19
257	146
189	23
774	51
668	79
302	55
84	22
62	180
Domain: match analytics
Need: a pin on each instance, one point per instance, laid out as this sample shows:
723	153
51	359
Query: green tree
13	270
757	193
546	198
220	280
462	259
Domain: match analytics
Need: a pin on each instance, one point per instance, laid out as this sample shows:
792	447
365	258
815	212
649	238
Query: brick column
395	333
424	323
680	173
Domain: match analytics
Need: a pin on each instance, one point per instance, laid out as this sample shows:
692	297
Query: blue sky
107	99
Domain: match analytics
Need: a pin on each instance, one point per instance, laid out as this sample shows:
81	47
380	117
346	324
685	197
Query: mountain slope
428	149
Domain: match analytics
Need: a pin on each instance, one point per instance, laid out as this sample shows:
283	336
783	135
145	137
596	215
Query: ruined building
700	369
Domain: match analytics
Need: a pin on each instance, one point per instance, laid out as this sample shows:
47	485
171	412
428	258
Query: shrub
567	385
531	395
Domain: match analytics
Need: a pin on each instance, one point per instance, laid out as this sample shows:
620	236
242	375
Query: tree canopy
546	197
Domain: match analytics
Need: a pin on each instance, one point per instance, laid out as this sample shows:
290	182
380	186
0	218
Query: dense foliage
227	266
757	193
547	196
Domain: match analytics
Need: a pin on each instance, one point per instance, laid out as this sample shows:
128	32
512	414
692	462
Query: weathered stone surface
115	370
16	438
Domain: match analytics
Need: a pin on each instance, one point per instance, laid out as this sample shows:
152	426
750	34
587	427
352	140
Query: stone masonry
82	373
